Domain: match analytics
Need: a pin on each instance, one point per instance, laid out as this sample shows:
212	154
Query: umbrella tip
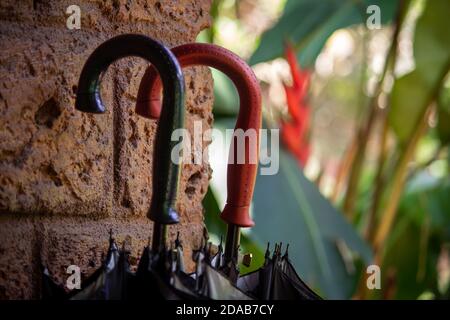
286	253
208	249
276	251
267	254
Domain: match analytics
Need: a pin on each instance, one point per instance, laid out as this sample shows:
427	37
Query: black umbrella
278	272
153	275
241	175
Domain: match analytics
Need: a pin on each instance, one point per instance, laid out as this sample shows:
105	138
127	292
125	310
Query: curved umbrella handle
166	173
240	176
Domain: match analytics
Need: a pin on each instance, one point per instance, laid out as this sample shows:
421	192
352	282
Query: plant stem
361	138
398	182
379	179
365	130
383	153
344	168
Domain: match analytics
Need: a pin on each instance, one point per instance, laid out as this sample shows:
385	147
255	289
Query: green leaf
288	208
309	23
413	93
226	99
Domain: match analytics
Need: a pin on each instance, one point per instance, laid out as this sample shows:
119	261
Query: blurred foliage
226	99
413	92
324	248
328	252
309	23
414	246
444	113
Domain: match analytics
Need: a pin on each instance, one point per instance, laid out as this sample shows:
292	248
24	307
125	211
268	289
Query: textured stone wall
66	177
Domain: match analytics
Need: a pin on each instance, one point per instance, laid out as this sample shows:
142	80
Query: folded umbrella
241	174
153	276
277	274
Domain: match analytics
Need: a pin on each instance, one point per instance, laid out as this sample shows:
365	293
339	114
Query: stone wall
66	177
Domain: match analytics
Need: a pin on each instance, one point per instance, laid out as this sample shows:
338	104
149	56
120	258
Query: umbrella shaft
232	243
159	237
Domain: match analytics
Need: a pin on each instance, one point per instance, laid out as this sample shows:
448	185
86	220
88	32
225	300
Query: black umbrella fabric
210	281
110	282
276	280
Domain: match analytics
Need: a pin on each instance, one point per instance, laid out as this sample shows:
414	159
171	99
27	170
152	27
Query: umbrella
241	176
278	272
154	267
152	276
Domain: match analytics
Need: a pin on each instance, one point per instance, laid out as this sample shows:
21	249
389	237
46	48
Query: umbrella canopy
210	281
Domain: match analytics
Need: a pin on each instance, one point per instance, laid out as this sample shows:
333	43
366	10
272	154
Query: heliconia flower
295	130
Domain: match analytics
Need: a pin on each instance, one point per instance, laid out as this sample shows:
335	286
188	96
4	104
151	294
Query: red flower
295	131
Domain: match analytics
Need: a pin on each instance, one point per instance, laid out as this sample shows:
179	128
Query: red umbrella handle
240	177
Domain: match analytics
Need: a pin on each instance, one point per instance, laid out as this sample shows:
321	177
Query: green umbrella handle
166	173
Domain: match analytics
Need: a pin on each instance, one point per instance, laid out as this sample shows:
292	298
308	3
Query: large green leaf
413	92
288	208
309	23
